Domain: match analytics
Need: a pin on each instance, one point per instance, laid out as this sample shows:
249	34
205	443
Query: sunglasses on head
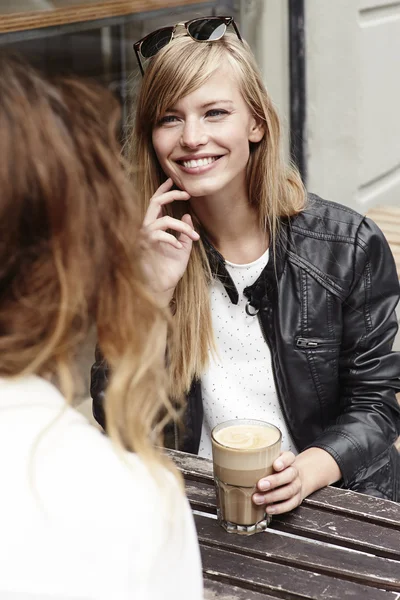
205	29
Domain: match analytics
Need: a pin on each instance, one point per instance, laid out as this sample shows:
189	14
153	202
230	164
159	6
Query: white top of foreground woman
79	520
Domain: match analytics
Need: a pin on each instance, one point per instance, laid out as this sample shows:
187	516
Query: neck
232	226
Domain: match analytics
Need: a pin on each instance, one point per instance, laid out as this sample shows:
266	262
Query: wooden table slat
338	529
360	506
214	590
201	496
307	554
192	466
282	581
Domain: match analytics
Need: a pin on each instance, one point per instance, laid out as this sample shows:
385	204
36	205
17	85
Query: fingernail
196	235
278	464
178	244
258	499
264	485
270	510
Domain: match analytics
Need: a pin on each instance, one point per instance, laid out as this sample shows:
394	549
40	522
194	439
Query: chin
200	193
197	191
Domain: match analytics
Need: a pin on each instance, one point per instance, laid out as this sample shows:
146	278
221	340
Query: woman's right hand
165	257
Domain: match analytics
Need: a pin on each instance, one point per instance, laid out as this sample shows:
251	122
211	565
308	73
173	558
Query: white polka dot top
239	383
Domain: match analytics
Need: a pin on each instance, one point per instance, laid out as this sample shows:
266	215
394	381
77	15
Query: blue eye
167	119
216	112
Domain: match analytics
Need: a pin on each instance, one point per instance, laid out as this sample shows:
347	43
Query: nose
193	134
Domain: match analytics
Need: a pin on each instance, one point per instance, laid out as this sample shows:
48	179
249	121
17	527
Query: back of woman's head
68	255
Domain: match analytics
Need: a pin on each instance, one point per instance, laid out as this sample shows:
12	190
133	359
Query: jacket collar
270	275
218	269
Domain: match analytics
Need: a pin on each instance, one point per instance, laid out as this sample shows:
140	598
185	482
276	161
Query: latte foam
247	437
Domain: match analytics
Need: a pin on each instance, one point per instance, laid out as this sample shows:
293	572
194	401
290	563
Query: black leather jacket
326	306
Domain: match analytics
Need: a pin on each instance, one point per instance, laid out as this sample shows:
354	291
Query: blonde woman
80	516
284	304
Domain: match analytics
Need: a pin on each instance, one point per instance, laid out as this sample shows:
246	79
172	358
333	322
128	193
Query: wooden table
337	545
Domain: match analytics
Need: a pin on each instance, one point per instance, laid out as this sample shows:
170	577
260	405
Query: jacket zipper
314	342
275	381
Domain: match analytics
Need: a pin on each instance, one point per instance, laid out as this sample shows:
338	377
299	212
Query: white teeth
200	162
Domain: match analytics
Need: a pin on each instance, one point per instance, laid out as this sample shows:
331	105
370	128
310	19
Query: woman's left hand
283	490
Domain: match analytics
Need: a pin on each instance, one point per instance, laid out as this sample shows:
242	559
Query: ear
256	132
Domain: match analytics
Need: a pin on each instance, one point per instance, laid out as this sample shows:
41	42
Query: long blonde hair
68	255
274	189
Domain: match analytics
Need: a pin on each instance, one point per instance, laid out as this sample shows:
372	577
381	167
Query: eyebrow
216	102
203	106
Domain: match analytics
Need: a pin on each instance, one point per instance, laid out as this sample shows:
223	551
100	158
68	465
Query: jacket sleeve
98	383
360	440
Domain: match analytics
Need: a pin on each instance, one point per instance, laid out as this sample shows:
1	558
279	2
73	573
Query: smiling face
202	142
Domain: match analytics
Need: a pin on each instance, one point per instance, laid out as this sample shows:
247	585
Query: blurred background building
331	67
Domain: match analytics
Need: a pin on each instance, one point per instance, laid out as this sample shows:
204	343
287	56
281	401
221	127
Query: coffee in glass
243	453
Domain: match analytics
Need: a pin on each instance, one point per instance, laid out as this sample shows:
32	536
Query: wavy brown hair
274	188
68	252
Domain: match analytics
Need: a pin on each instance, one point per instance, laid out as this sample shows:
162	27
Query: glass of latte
243	453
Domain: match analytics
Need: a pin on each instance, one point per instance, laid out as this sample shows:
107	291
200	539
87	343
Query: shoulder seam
316	198
324	236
